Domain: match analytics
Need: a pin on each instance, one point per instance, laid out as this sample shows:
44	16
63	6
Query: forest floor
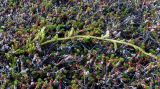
86	44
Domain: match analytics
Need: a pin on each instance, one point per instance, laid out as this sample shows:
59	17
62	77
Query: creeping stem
103	39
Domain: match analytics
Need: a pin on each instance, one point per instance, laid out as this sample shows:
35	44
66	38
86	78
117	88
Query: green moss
86	40
52	27
60	27
152	51
78	24
1	30
99	57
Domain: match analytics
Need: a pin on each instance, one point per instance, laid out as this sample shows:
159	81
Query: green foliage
60	27
78	24
52	27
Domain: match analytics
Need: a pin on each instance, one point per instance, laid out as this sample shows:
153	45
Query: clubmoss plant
100	38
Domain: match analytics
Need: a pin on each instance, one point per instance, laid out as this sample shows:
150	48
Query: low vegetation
50	44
